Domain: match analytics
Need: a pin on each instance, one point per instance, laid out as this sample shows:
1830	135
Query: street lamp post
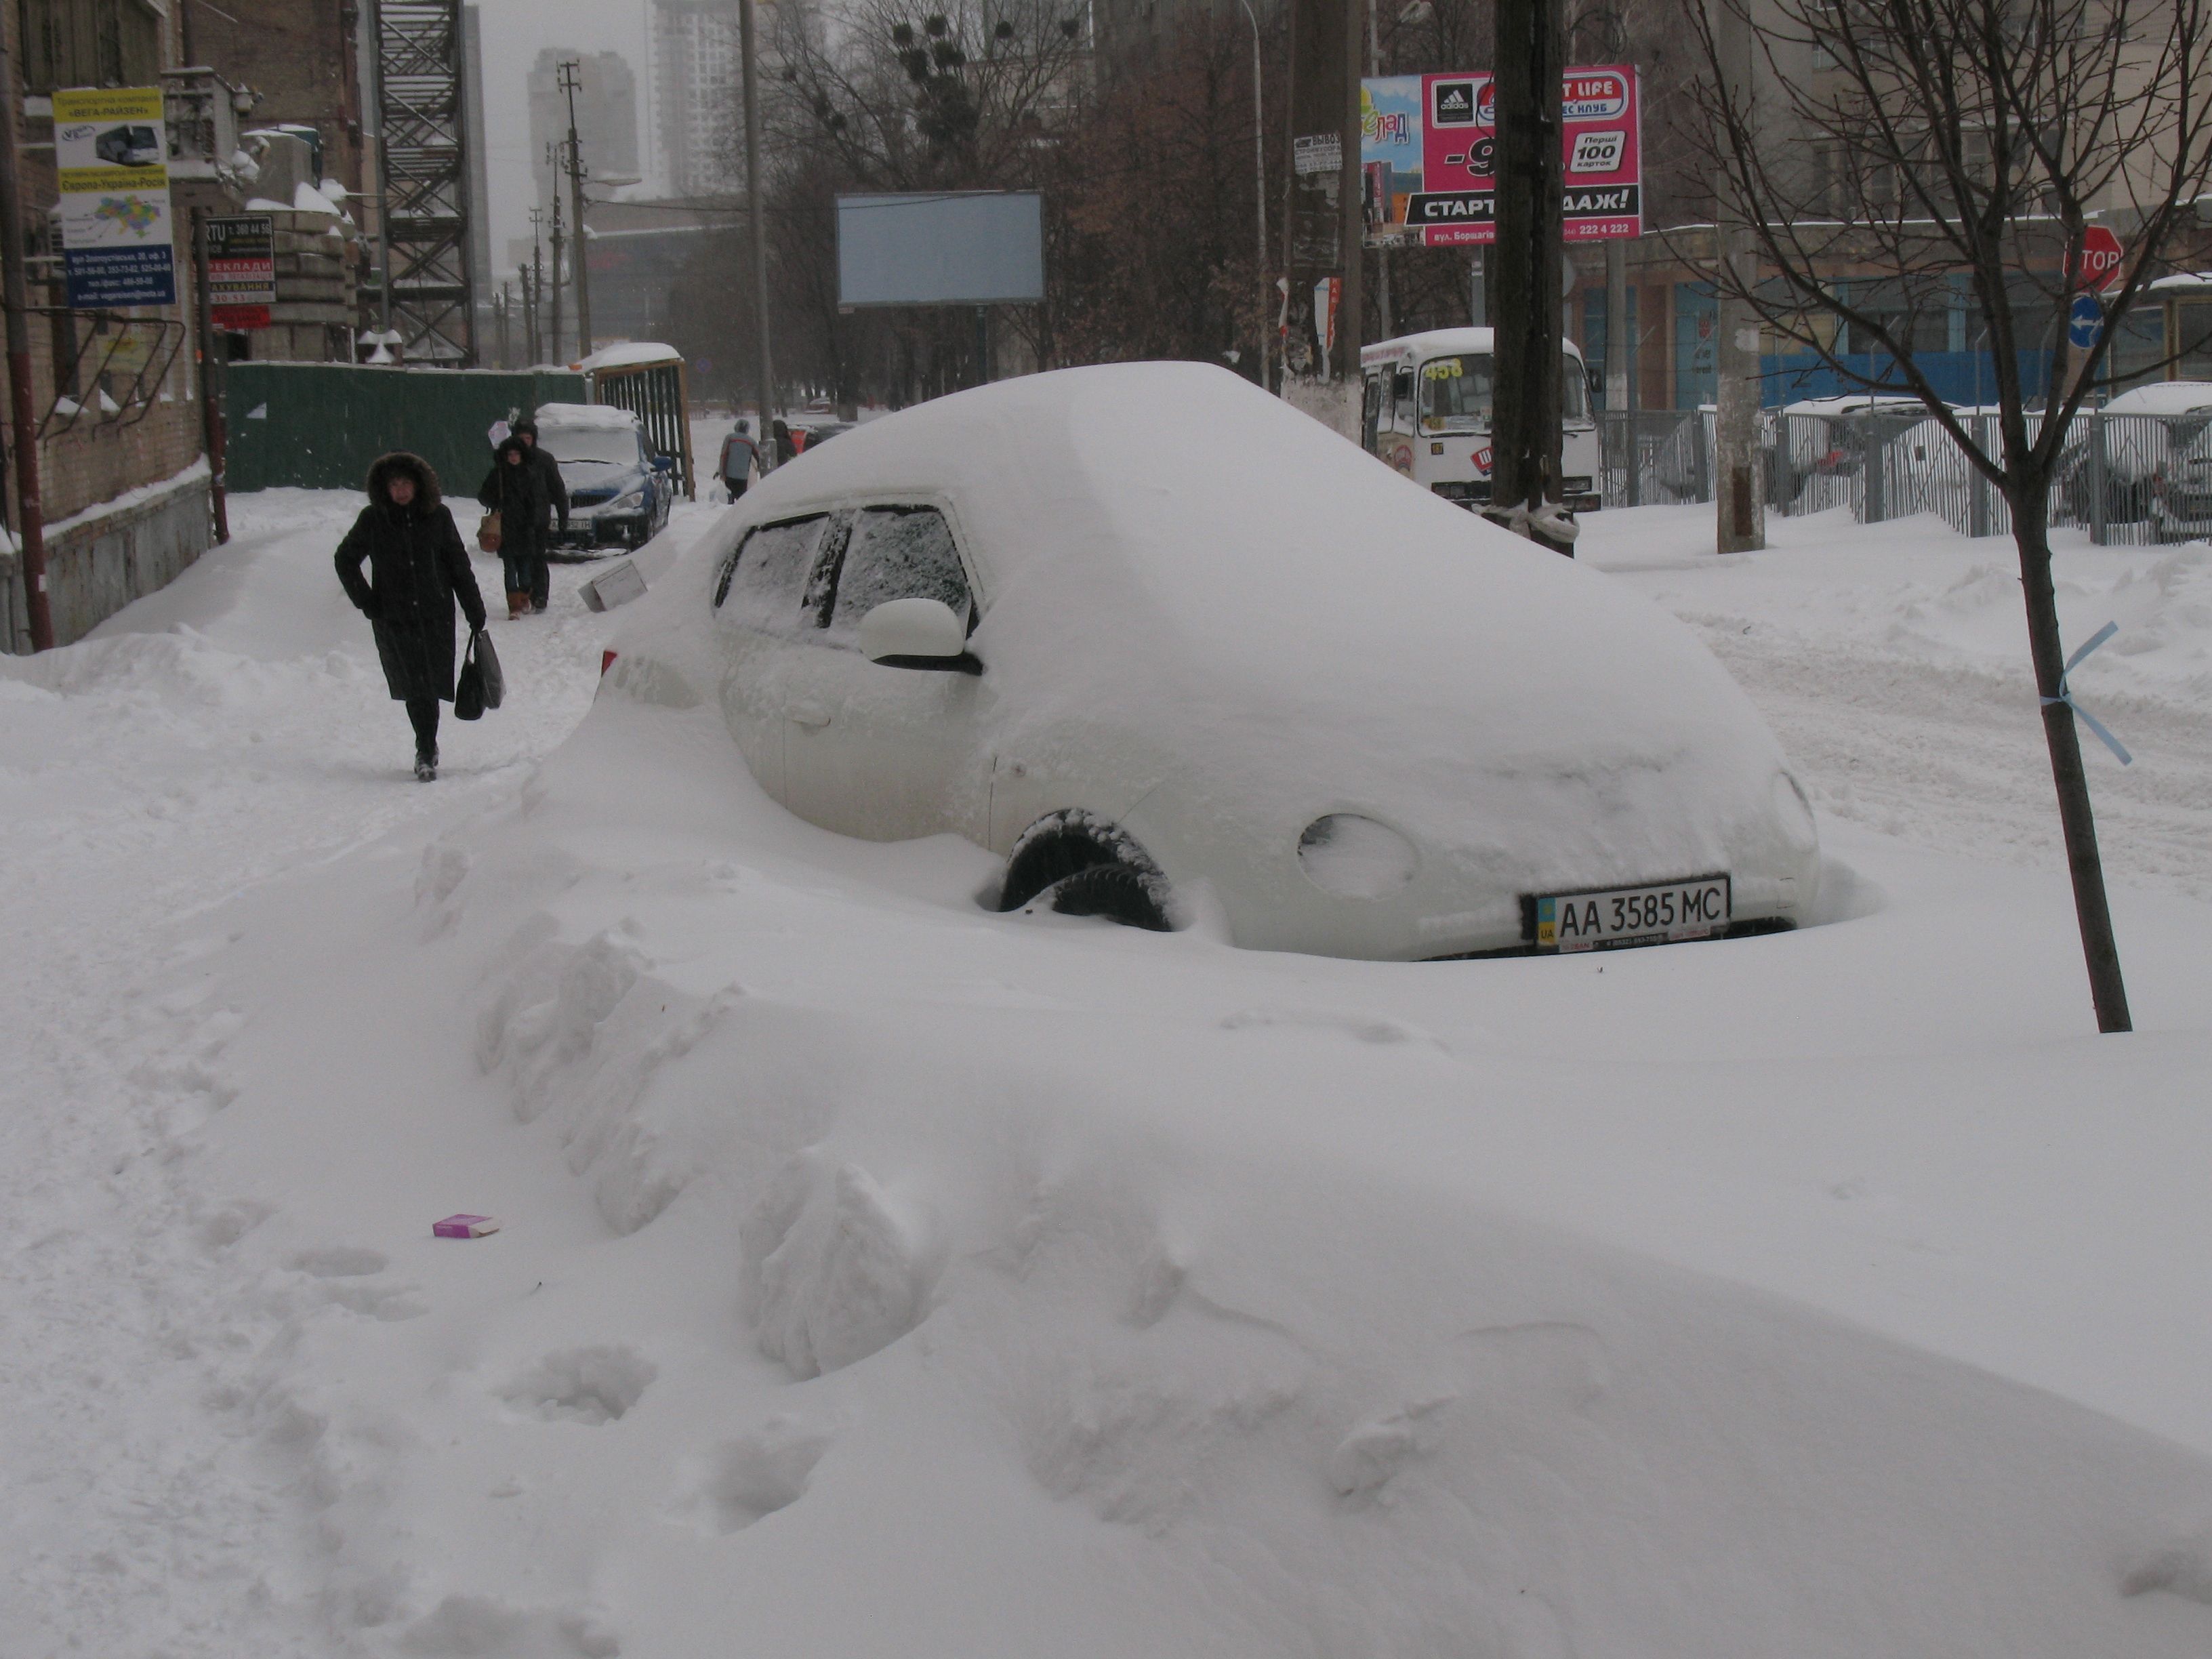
1260	190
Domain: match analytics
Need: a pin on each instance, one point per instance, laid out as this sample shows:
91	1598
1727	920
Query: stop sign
2100	260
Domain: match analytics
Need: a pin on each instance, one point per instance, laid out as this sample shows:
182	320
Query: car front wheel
1088	867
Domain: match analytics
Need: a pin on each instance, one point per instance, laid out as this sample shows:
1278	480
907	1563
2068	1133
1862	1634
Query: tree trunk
2099	949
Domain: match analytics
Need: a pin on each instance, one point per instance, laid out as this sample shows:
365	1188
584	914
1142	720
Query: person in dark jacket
417	569
787	446
515	489
556	492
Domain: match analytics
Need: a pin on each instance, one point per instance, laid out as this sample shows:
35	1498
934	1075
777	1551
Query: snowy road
1892	663
196	1451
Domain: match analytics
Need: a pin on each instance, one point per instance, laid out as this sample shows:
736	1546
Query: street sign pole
213	435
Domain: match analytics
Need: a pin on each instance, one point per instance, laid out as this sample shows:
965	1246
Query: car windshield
610	445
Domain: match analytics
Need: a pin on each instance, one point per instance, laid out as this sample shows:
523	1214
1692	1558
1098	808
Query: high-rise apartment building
607	116
698	107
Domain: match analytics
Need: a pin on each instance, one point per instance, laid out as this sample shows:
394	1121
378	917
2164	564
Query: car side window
897	553
764	585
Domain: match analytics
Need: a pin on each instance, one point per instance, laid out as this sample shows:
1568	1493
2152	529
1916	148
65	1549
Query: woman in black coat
515	488
417	567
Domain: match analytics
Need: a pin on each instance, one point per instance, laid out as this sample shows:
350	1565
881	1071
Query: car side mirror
917	633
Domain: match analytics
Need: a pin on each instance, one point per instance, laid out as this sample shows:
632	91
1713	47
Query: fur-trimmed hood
400	463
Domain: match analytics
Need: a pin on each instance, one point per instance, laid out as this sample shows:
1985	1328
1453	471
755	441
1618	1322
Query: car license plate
1696	908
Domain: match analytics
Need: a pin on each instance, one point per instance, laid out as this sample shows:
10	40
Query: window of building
89	43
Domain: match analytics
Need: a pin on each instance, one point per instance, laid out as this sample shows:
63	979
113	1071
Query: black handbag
482	685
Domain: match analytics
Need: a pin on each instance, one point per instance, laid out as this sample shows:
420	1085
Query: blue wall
1959	377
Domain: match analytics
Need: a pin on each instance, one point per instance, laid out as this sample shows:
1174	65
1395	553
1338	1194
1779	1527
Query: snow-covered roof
2181	281
603	416
632	353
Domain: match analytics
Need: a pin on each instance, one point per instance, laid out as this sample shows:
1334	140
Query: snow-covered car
1260	676
1817	454
619	491
2157	445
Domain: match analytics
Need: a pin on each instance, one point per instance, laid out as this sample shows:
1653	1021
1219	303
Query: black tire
1090	868
1114	891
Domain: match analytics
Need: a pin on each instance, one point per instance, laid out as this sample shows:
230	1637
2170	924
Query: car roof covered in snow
1165	545
605	415
2163	398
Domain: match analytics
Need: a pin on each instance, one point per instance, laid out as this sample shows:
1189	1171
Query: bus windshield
1456	393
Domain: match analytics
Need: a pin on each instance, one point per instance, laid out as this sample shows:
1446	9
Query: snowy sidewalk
233	729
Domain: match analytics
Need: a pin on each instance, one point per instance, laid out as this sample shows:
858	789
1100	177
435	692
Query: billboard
241	262
1428	148
112	154
941	248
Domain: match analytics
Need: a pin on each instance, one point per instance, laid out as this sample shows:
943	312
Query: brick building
123	473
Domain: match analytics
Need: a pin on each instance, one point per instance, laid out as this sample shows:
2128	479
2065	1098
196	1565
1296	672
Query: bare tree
1887	150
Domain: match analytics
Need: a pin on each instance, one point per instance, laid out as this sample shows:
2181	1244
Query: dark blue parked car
619	491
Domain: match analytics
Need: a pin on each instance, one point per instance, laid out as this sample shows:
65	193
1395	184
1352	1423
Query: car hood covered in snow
1292	628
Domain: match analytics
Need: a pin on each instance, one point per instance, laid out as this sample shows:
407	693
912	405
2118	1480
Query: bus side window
1402	395
1371	413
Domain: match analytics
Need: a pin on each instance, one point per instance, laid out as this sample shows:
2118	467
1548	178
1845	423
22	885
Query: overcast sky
514	32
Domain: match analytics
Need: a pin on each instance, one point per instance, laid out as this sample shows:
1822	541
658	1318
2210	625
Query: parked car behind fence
2138	470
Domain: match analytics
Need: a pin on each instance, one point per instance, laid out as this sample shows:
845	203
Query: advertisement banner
1428	147
112	154
241	251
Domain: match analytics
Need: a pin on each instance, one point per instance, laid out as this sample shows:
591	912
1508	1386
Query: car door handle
808	714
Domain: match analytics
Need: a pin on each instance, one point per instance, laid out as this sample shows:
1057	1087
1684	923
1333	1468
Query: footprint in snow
582	1385
752	1477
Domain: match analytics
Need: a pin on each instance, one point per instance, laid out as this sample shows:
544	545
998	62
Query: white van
1427	413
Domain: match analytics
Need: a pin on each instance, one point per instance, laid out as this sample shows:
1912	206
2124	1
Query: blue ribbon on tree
2066	693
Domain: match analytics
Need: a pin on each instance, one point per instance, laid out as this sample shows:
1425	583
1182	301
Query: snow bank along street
881	1276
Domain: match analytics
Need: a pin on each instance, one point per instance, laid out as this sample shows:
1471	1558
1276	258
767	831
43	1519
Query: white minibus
1427	413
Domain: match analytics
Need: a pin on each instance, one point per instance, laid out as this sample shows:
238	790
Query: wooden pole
1525	268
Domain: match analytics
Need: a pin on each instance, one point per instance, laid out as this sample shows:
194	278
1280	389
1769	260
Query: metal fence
2126	480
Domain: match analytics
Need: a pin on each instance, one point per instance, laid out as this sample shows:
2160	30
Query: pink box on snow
464	1226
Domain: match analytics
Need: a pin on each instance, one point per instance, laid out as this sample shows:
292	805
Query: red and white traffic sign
2101	254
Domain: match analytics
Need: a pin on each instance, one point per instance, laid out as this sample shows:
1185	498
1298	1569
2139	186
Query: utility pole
1741	512
533	287
1525	269
1325	235
553	317
757	219
569	70
30	542
1260	195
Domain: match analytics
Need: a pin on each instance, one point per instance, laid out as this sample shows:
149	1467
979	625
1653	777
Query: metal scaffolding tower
423	133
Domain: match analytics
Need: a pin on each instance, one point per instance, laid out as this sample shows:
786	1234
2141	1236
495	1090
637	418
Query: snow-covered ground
879	1276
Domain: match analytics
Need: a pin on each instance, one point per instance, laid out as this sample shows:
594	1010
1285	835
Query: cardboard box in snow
617	585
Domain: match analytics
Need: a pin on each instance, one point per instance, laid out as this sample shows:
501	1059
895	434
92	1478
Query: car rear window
762	586
897	553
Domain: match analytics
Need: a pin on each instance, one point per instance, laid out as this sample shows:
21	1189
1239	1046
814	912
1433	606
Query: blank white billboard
941	248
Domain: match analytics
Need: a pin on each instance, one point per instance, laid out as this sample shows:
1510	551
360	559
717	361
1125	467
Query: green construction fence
318	426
